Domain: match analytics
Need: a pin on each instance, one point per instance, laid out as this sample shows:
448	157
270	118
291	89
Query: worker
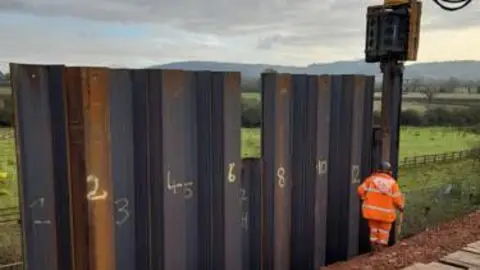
380	195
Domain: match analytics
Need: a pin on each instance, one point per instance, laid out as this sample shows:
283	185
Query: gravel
425	247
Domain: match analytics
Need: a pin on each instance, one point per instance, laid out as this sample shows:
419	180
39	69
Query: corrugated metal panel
322	164
76	159
251	197
141	148
311	123
153	168
95	90
347	139
368	161
41	157
302	150
276	152
122	167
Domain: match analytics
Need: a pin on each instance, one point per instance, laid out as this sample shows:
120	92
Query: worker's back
381	195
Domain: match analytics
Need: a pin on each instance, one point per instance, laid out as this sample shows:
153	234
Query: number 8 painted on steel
281	177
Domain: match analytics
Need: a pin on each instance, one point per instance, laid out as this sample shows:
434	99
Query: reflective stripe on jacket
381	195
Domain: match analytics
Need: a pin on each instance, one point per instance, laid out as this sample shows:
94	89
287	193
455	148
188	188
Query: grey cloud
304	22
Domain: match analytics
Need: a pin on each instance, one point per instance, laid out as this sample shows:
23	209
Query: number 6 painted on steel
231	175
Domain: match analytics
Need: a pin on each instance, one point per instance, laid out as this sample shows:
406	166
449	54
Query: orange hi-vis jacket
380	195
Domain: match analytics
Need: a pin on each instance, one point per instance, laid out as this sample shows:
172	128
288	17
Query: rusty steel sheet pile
349	162
311	123
129	169
251	196
141	169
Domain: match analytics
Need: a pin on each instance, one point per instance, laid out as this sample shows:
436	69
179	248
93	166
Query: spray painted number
231	174
122	209
243	196
322	167
185	188
39	204
95	194
245	220
281	177
355	174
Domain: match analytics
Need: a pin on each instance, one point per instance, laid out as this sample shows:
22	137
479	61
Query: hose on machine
452	5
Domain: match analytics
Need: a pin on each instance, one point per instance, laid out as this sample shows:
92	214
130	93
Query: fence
433	204
439	158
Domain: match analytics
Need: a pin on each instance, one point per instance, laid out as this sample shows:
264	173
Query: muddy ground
424	247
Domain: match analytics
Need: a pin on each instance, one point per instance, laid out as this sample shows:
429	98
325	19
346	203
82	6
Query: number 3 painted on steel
123	209
281	177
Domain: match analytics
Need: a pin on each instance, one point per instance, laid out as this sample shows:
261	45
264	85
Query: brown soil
425	247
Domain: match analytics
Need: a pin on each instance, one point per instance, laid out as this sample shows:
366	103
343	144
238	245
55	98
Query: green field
413	141
417	101
5	90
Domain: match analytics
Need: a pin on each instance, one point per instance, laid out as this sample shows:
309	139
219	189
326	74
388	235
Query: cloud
230	17
143	32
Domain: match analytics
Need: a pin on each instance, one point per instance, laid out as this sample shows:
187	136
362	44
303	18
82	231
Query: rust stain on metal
232	81
283	185
99	183
76	169
173	82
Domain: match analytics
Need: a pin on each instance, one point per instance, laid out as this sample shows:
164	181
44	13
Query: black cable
452	5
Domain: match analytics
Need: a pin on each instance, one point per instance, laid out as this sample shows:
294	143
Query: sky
140	33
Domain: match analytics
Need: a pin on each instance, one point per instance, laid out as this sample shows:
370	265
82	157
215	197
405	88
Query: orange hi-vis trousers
379	231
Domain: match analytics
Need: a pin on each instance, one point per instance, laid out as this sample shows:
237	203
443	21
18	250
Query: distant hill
463	70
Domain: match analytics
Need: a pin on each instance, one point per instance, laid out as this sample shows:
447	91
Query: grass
413	141
438	193
416	101
5	90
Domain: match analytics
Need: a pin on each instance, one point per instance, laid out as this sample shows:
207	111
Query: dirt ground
424	247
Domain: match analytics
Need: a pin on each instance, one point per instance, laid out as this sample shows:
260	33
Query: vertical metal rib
276	152
43	182
95	88
324	92
300	154
155	172
231	164
367	149
140	97
122	167
176	112
76	160
358	97
250	195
